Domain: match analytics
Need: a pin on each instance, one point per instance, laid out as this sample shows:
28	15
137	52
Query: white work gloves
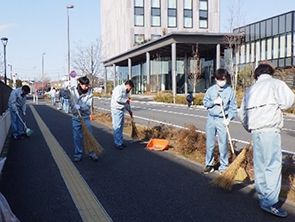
226	122
218	100
77	106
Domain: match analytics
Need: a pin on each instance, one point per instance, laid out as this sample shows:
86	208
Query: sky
34	27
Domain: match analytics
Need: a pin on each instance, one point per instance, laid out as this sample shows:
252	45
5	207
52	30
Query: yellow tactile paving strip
87	204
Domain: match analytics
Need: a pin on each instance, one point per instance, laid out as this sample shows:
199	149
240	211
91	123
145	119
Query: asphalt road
149	113
133	184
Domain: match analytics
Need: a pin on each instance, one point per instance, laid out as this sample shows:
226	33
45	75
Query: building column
174	70
148	72
185	74
114	70
130	68
217	56
105	80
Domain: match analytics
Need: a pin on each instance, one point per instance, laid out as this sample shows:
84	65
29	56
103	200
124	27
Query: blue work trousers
215	126
118	125
17	126
267	166
66	105
78	135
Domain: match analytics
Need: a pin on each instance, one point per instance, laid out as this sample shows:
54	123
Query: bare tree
87	60
195	71
236	17
234	47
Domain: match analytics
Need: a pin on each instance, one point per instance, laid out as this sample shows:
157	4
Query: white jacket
119	98
263	102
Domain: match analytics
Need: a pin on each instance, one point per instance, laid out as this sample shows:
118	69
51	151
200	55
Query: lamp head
4	40
70	6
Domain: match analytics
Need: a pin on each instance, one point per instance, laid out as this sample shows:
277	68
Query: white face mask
221	83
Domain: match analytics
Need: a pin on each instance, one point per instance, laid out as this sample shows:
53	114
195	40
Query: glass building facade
161	75
269	40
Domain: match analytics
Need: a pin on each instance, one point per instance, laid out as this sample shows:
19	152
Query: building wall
118	29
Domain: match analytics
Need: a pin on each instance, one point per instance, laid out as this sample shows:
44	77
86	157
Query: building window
289	22
187	14
269	49
138	39
242	59
257	51
153	37
282	24
289	45
276	47
263	49
252	52
262	29
172	13
203	14
248	53
156	13
139	12
282	46
275	26
268	28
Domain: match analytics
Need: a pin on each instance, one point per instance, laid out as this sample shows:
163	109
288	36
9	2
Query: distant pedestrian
66	96
52	94
81	102
190	99
60	97
261	114
119	103
215	95
17	107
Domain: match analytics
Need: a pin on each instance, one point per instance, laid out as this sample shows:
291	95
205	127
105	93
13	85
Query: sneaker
208	169
119	147
77	159
275	211
94	158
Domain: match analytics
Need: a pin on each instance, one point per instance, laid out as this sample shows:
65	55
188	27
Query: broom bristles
90	143
134	130
227	178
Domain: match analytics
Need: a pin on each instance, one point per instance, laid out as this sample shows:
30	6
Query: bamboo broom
90	143
227	178
134	130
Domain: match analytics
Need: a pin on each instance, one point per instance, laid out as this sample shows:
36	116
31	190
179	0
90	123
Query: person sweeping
81	105
119	103
219	93
261	114
17	107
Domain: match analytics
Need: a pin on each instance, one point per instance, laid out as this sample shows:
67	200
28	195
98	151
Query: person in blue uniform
215	95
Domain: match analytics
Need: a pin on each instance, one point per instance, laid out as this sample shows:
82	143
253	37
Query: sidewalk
134	184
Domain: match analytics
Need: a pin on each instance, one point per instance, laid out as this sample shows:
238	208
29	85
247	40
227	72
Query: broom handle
22	121
130	110
227	129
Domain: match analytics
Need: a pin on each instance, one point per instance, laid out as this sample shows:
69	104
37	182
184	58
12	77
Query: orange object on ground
158	144
91	117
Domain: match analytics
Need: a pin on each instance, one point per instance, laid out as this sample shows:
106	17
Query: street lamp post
68	28
4	41
10	66
42	80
